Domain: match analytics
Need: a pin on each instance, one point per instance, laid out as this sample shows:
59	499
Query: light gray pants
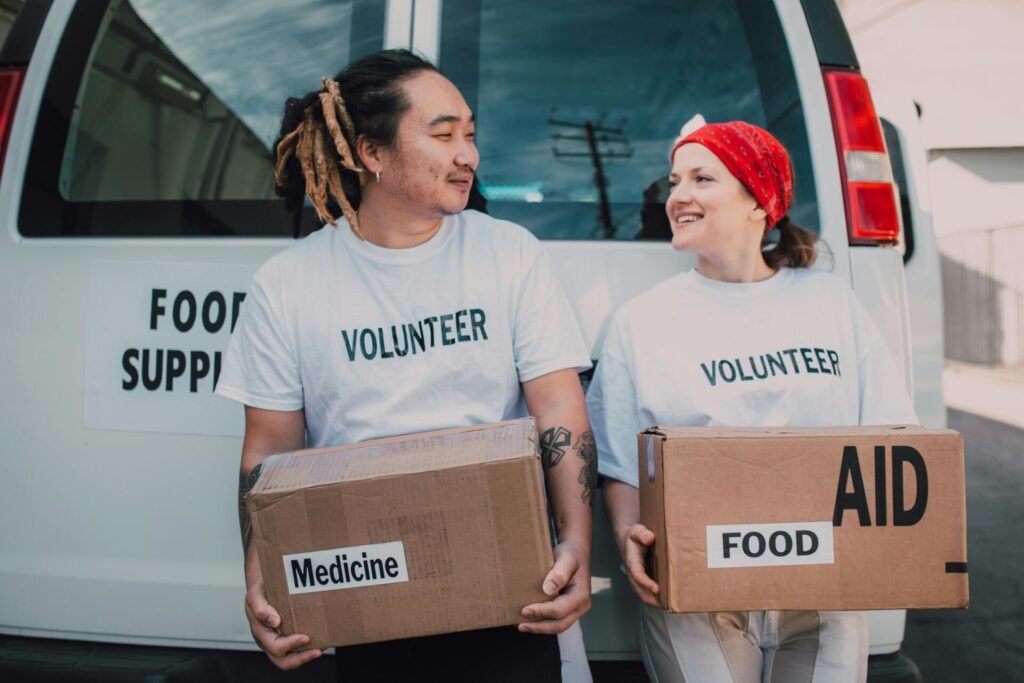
754	647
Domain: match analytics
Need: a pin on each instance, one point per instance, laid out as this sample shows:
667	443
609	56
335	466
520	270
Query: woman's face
710	211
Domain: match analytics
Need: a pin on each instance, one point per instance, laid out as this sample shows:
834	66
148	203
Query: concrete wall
978	200
961	61
977	189
983	297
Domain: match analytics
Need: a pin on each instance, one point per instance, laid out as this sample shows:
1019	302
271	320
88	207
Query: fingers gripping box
805	518
408	536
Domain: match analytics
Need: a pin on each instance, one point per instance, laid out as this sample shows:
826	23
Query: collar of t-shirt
386	256
738	290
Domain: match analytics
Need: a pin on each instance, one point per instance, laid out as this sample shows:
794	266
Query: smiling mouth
689	218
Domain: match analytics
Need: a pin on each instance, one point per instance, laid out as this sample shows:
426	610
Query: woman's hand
638	540
622	503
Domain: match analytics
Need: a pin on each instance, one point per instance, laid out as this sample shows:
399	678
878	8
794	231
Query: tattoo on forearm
553	444
586	449
246	480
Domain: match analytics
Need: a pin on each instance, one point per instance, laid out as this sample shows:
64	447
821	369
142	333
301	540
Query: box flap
726	432
398	455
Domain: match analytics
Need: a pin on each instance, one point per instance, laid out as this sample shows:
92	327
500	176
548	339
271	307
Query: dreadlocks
316	152
321	164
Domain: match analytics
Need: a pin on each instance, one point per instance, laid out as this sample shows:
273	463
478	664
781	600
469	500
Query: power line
603	142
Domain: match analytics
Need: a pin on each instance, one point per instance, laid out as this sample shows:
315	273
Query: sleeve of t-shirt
884	398
614	418
546	335
260	367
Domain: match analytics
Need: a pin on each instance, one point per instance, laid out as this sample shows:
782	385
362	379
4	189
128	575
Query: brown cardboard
693	479
467	505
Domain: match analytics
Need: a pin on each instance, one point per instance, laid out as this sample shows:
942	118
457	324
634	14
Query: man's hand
285	652
569	457
638	540
267	432
568	583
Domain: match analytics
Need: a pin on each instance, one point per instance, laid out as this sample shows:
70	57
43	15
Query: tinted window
146	126
9	10
899	174
165	126
577	102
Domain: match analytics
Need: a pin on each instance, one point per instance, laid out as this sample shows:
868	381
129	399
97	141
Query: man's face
430	167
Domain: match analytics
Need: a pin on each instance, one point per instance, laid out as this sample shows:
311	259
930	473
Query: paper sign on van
157	335
354	567
770	545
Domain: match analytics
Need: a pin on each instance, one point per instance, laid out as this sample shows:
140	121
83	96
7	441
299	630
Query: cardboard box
805	519
408	536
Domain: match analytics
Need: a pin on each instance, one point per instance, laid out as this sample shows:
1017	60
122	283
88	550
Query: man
468	326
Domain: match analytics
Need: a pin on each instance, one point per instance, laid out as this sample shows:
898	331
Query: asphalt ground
986	641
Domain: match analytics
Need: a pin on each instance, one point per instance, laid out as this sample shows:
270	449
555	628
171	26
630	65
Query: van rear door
137	198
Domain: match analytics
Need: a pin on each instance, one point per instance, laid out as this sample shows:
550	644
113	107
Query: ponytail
795	248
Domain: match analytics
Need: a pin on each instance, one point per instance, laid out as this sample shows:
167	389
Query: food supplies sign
157	335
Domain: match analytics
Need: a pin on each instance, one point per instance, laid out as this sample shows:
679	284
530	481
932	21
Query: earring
378	175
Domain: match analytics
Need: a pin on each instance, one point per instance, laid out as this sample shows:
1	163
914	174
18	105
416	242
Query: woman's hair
316	149
794	249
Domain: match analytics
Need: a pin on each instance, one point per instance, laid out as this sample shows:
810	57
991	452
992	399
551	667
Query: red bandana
755	157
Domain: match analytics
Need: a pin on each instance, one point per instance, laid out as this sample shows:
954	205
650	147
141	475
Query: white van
136	199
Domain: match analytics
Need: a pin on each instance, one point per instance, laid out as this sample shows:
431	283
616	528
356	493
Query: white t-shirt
797	349
374	342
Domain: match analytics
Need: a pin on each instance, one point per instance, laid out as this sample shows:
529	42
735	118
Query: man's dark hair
316	149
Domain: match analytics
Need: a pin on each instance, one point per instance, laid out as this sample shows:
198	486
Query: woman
731	184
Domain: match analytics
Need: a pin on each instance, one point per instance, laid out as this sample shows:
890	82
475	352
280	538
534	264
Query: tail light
872	208
10	88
